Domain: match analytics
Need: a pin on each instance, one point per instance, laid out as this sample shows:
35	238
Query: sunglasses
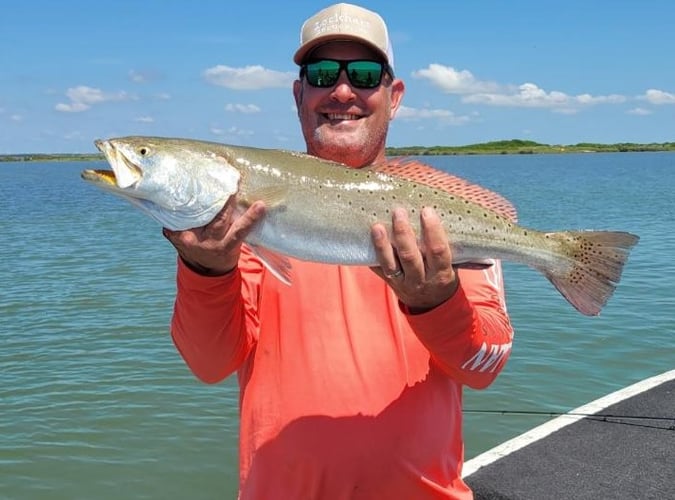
362	74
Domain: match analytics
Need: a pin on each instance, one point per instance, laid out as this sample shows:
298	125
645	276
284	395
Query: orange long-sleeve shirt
342	393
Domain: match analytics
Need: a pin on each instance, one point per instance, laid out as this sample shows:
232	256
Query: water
96	403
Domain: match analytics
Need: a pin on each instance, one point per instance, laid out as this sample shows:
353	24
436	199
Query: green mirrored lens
364	74
323	73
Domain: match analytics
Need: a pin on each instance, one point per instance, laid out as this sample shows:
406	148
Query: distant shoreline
514	146
517	146
27	157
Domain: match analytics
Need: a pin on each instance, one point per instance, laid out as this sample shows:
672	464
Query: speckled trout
322	211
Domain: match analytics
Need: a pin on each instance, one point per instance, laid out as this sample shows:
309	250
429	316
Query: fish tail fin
597	259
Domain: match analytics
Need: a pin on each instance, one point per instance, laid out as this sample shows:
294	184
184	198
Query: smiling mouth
341	116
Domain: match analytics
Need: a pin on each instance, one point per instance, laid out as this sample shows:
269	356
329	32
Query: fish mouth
105	177
124	174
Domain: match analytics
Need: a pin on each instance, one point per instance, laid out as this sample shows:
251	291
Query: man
350	380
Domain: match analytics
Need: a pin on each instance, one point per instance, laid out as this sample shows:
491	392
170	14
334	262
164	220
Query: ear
297	93
397	91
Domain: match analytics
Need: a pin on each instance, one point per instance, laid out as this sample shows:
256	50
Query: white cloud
144	119
83	97
143	76
600	99
137	77
526	95
231	132
73	107
655	96
449	80
529	95
565	111
639	112
415	114
248	78
242	108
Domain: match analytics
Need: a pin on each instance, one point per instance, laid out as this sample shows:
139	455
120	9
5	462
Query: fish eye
143	151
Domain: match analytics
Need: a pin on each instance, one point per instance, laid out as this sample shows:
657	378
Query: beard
354	146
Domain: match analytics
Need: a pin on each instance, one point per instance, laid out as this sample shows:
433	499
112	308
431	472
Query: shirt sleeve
215	324
469	336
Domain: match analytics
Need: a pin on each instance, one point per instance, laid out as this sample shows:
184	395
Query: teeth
339	116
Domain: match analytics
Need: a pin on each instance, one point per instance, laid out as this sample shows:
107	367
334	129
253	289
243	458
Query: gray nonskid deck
621	446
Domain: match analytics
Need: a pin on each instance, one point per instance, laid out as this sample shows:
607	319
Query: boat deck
621	446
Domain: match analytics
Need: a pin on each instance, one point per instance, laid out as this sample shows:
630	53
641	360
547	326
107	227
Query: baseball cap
345	22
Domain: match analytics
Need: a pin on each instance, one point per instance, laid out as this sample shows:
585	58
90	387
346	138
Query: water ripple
96	402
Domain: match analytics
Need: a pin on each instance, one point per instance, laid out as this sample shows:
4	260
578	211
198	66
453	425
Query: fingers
242	226
437	253
214	248
215	229
419	270
384	251
404	241
414	257
221	223
436	246
399	257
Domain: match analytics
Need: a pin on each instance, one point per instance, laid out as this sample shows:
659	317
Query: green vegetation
518	146
52	157
514	146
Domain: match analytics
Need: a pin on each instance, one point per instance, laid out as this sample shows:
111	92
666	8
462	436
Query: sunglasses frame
343	66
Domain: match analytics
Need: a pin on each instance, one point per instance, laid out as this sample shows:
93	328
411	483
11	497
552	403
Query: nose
343	91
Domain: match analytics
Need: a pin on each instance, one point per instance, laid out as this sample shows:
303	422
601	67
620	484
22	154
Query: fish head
180	184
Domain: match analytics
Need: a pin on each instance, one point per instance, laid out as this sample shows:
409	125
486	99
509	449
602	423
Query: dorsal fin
415	171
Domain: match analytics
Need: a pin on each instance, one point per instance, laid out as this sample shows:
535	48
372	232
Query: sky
556	72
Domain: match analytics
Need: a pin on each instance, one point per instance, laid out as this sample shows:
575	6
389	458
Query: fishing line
594	416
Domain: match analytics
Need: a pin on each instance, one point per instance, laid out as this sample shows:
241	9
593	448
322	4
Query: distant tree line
52	157
519	146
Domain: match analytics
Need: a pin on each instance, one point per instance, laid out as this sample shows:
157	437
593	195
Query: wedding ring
395	274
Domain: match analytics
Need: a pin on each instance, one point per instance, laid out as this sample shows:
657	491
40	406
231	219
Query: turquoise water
96	403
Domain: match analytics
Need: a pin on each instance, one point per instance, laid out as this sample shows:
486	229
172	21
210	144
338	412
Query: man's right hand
213	249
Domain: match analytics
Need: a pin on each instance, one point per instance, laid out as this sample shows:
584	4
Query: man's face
344	123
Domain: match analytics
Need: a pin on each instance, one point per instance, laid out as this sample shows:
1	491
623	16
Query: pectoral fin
277	264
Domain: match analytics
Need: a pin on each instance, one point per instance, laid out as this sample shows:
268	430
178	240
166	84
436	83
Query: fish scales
335	212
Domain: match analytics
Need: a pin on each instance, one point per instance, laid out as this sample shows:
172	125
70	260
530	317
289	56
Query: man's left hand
421	274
